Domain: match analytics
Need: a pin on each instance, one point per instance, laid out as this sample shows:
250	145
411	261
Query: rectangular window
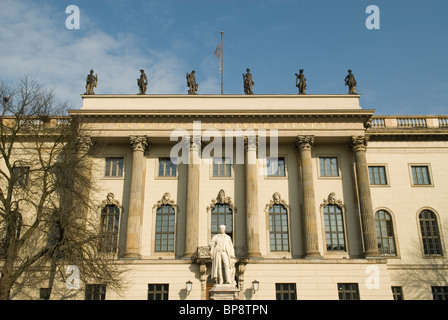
114	167
276	167
20	176
222	167
285	291
329	167
44	293
440	293
157	291
397	292
348	291
420	175
377	175
167	168
95	292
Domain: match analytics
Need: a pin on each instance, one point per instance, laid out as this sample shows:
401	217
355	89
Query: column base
313	255
132	255
254	255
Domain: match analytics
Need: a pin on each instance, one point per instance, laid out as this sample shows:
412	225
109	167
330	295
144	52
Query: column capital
304	143
251	143
84	143
359	143
195	141
139	143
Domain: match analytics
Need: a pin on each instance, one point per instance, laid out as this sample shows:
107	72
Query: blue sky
401	68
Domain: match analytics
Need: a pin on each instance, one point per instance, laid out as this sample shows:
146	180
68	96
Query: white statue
223	258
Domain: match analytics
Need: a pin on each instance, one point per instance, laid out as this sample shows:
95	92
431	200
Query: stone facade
309	129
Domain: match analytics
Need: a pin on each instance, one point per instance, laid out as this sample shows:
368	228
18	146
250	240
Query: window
157	291
110	216
430	233
385	233
377	175
222	215
397	293
348	291
167	168
221	167
334	228
276	167
420	175
95	292
440	293
44	293
285	291
329	167
20	175
165	220
114	167
278	228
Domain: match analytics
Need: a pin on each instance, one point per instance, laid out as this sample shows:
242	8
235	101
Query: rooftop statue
142	82
301	82
350	82
191	83
91	82
248	83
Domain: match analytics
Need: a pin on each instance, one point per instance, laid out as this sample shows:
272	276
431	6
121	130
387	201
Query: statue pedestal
224	292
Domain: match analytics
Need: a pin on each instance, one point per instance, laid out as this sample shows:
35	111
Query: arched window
385	233
165	219
110	219
221	212
432	245
278	228
334	224
222	215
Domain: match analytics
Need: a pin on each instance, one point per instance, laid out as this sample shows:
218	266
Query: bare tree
47	221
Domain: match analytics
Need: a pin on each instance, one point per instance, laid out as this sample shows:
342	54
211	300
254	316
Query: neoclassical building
322	198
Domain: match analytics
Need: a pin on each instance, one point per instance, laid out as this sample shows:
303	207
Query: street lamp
255	286
189	286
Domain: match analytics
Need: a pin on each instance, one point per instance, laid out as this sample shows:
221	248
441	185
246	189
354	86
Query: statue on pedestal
301	82
248	83
223	258
142	82
350	82
91	82
191	82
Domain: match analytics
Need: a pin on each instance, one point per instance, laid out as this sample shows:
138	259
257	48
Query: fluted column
135	214
303	146
80	198
192	212
359	147
252	225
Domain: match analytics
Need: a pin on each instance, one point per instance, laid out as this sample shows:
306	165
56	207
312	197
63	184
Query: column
135	214
303	145
192	211
252	218
359	147
80	198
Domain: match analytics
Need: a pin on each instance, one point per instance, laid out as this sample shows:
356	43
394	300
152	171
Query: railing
409	122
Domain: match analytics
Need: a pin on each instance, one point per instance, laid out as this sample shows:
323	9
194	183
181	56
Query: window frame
442	255
164	291
90	293
430	175
354	289
18	177
157	169
386	174
394	237
218	177
435	294
116	224
338	160
279	177
104	176
168	215
269	232
291	292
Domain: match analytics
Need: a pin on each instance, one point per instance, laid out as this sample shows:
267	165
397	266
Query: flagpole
222	63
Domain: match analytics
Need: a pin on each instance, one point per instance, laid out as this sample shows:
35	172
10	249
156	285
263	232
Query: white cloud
34	41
